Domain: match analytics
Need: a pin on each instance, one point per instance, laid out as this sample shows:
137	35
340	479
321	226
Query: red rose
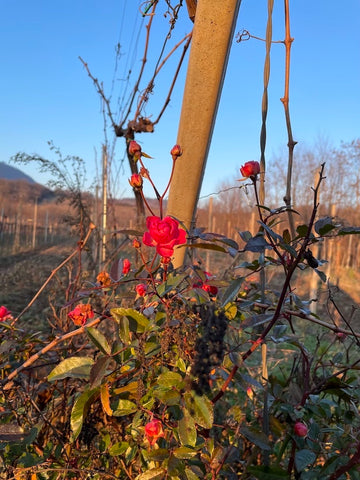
126	266
141	289
136	180
300	429
5	314
211	289
250	169
163	234
153	431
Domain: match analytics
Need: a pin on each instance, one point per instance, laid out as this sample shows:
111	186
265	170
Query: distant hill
11	173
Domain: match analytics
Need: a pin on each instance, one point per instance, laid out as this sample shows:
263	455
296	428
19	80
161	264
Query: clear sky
46	94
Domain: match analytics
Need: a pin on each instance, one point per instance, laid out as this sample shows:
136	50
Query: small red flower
250	169
163	234
134	150
126	266
5	314
136	181
300	429
153	431
211	289
141	289
81	314
176	152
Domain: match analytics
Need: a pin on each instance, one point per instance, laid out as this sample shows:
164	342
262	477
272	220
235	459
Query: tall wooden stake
104	203
213	32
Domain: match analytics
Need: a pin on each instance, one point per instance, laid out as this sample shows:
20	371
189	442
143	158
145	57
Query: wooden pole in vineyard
213	32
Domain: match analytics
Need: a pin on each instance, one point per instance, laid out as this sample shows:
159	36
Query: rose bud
136	243
250	169
176	152
300	429
134	150
136	181
141	289
153	431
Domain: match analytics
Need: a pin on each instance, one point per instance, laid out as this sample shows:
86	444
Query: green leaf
73	367
187	429
303	458
349	231
321	275
257	438
171	284
201	408
257	244
207	246
153	474
124	407
302	230
184	453
99	340
118	448
170	379
190	475
98	371
232	290
324	225
274	235
262	472
80	409
124	331
137	321
158	455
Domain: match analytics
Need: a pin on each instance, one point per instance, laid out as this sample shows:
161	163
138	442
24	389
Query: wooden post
104	203
213	32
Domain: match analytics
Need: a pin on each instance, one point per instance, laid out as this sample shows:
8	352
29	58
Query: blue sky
46	94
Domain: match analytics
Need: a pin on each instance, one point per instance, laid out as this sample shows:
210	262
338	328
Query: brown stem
47	348
285	100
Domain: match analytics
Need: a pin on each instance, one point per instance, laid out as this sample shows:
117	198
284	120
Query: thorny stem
285	100
80	247
283	293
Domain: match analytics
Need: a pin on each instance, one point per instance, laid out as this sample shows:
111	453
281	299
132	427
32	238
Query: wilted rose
163	234
81	314
250	169
104	279
136	243
153	431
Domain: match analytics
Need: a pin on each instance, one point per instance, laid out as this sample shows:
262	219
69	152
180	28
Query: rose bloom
5	314
134	149
141	289
176	152
153	431
136	180
126	266
300	429
104	279
81	314
163	234
250	169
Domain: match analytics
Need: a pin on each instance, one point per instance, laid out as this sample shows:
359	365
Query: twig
47	348
81	245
